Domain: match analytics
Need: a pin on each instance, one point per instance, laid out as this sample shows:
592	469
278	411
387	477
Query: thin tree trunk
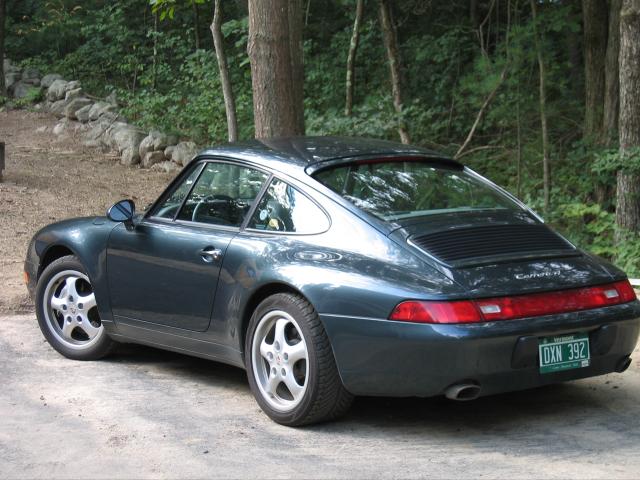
390	36
155	50
628	195
296	52
612	76
3	14
595	15
519	143
277	108
351	59
227	91
196	24
481	113
546	168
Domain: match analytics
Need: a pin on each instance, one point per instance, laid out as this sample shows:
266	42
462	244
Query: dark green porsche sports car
331	267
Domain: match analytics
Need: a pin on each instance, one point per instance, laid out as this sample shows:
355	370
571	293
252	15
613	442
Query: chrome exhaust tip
463	392
623	364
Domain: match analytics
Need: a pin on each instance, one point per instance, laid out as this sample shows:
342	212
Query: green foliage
448	75
34	95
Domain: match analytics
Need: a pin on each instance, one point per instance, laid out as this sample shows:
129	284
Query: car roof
294	155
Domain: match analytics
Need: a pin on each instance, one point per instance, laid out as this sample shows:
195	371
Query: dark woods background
527	92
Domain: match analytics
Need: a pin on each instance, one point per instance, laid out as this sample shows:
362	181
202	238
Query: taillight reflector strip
518	306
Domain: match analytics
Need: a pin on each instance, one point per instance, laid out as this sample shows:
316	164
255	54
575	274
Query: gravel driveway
144	413
148	413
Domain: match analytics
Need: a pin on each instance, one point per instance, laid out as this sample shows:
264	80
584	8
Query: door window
285	209
171	204
222	195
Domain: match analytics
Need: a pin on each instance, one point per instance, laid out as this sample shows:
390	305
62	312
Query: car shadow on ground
516	413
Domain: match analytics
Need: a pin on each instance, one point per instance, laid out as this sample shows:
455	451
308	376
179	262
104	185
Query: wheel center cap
73	309
278	359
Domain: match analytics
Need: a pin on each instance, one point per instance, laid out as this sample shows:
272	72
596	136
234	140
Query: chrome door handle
209	254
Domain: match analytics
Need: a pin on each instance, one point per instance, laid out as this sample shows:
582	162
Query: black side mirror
122	211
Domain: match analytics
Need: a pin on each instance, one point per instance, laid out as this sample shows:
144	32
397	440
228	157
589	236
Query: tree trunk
351	59
3	14
155	50
296	19
196	24
227	91
390	36
277	105
595	15
546	167
611	76
628	195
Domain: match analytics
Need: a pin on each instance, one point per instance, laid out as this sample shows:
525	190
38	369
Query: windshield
395	190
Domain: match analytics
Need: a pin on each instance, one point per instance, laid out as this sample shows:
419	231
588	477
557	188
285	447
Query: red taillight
624	288
520	306
463	311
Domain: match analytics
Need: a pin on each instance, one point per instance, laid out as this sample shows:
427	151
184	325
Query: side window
222	195
285	209
172	203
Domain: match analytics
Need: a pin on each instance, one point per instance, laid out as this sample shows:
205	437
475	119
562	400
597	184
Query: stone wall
99	121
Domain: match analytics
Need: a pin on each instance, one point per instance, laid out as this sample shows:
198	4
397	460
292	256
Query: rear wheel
67	311
290	363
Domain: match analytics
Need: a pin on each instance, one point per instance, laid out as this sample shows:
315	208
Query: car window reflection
285	209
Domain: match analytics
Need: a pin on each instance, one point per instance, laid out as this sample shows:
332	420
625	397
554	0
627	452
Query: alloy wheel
280	360
70	310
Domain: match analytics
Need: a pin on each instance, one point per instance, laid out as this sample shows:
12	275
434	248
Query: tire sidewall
100	347
285	303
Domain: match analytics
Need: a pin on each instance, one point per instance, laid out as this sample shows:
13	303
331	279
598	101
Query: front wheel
290	364
67	311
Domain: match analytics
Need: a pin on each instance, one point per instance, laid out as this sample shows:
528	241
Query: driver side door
165	271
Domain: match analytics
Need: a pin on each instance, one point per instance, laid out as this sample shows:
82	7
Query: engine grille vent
467	245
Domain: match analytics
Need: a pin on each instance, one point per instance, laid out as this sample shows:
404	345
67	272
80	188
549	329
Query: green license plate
564	352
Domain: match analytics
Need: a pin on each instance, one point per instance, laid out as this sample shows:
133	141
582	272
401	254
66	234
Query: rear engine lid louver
477	245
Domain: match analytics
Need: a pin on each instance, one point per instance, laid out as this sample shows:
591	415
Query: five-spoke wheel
67	311
290	364
71	310
280	360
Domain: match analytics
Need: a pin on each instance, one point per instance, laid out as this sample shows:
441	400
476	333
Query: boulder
74	105
72	85
83	114
99	109
11	78
61	127
95	136
156	141
168	167
6	65
71	94
31	74
47	80
21	89
126	140
57	108
130	157
181	153
151	158
57	90
112	99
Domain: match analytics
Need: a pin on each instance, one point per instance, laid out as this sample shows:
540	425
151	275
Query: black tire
325	397
92	349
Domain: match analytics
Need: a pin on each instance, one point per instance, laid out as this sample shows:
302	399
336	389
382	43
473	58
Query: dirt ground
144	413
49	178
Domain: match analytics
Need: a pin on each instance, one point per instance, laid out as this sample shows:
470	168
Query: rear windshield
396	190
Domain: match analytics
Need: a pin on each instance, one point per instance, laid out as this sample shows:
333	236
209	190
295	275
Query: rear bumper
387	358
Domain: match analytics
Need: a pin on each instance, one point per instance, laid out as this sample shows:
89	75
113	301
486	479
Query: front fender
87	239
